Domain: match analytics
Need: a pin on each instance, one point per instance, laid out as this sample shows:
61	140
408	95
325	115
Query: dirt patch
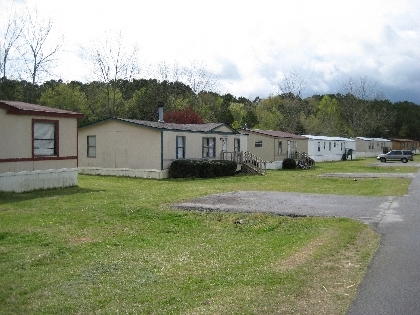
304	254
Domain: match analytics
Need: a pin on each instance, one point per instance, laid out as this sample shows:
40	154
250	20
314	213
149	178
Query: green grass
112	246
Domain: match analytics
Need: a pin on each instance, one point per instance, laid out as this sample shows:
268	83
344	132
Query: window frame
89	147
55	140
208	147
258	144
178	147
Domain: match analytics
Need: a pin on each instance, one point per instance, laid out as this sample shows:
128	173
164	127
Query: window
324	145
319	146
91	146
280	147
180	147
45	138
329	146
237	145
258	144
209	147
341	146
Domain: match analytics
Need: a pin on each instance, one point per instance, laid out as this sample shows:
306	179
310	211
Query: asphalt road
392	282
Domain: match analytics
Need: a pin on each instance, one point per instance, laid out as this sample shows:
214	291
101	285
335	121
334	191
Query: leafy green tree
98	105
68	97
269	114
407	120
224	115
12	90
209	105
143	105
328	116
239	114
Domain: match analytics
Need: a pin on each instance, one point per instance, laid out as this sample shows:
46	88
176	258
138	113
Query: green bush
201	169
289	164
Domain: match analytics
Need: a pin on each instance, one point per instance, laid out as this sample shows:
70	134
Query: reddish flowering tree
184	116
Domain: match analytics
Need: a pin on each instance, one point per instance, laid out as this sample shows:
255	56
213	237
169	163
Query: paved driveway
371	210
392	282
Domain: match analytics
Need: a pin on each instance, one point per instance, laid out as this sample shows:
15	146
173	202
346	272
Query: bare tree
167	72
9	40
290	90
111	61
199	79
37	55
356	107
362	89
292	84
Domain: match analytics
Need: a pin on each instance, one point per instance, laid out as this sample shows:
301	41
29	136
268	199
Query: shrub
289	164
201	169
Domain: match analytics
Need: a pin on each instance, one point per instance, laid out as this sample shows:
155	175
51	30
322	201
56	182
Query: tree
112	61
268	113
290	90
328	116
239	114
357	115
9	40
68	97
209	105
37	55
291	84
184	116
198	78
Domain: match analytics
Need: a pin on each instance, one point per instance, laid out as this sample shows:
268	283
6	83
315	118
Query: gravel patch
369	210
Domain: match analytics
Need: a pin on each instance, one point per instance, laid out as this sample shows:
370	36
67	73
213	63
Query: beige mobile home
274	146
38	147
137	148
372	147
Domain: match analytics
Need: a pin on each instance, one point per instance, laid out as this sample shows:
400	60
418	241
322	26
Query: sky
251	46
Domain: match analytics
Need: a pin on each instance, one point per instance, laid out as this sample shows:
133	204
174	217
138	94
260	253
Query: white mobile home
323	148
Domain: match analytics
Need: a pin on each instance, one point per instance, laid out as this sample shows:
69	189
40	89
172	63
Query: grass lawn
112	245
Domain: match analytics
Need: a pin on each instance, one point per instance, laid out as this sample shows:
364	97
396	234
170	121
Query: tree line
343	115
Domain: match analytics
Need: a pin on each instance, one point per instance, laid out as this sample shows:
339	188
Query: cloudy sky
252	45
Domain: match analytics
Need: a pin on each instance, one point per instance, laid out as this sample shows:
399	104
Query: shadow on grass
11	197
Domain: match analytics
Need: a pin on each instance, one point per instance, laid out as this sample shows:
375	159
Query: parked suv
396	155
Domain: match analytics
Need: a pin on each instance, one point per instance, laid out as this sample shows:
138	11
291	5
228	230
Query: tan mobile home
137	148
38	147
274	146
371	147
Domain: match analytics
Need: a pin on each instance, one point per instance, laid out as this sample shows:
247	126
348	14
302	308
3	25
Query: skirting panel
40	179
153	174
